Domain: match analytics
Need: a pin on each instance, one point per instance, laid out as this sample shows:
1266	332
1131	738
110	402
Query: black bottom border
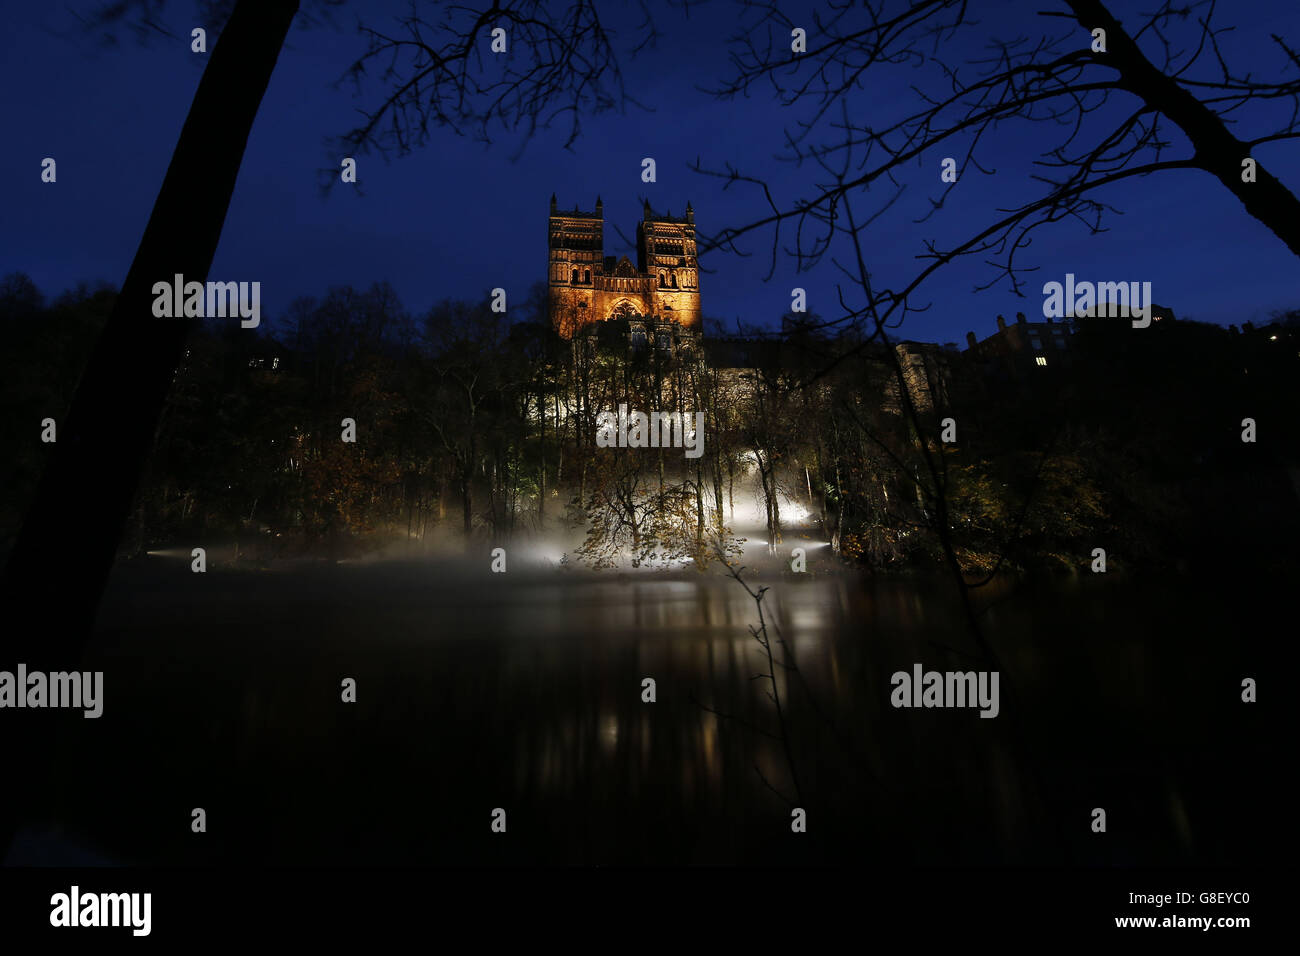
723	903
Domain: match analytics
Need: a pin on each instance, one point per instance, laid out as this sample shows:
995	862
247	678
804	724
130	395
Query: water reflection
472	695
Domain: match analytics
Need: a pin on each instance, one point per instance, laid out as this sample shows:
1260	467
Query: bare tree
60	562
1110	103
553	62
1107	112
114	416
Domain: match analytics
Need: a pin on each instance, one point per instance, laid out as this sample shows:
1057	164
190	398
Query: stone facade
587	287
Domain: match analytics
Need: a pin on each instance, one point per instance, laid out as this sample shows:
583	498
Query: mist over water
523	691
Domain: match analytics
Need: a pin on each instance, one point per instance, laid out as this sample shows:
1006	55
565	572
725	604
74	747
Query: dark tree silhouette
1104	110
63	554
115	413
559	65
62	557
1103	117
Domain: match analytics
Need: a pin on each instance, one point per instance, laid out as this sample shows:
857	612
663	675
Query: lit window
1040	360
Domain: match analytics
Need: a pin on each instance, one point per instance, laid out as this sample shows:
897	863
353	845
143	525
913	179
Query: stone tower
586	286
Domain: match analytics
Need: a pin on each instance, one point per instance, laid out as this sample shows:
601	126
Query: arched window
586	277
661	280
575	276
673	277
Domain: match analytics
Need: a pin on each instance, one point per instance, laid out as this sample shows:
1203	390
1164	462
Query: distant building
1022	348
588	287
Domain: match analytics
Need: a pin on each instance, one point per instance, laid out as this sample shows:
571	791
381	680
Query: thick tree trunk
1218	152
64	552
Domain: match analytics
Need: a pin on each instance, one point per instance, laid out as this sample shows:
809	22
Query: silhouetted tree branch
1118	113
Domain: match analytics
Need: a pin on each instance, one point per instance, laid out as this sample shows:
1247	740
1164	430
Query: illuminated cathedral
658	296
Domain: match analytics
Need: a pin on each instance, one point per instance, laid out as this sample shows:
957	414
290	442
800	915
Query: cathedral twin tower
587	286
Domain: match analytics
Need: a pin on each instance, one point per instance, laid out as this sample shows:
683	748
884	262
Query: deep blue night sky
455	219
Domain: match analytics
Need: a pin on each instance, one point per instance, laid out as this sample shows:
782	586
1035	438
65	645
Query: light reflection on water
473	694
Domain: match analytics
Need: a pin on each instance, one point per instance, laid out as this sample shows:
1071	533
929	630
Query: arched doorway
624	309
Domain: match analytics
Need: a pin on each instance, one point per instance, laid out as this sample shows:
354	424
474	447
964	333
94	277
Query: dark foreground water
524	692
